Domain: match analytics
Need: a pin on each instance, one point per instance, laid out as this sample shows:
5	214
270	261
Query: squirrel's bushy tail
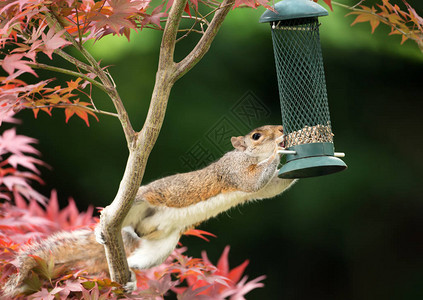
73	250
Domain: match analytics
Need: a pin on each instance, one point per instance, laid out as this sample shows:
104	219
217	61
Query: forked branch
204	43
168	72
113	216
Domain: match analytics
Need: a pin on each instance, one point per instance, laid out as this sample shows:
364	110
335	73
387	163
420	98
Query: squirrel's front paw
99	237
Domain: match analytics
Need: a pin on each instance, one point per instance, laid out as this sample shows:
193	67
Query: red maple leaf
199	233
118	16
80	111
155	16
223	281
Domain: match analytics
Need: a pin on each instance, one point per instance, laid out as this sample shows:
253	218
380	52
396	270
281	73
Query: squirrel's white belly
167	218
204	210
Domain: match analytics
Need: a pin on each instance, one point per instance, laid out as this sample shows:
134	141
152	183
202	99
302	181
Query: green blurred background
357	234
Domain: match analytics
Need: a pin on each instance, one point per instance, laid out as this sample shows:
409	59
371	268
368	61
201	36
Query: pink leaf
29	193
73	286
28	162
243	287
56	290
72	211
11	181
155	16
223	263
44	294
13	62
193	293
19	200
6	107
53	41
8	118
17	144
52	208
35	209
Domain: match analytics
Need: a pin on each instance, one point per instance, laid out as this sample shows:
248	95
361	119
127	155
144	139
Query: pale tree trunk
141	143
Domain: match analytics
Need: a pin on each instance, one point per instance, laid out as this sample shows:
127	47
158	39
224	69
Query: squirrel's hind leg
152	252
131	285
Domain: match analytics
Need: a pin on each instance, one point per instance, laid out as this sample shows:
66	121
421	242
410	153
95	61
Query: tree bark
143	142
139	151
114	214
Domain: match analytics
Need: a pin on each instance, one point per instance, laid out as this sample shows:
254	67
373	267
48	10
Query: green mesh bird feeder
302	89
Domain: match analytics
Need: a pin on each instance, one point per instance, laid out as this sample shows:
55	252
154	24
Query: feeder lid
293	9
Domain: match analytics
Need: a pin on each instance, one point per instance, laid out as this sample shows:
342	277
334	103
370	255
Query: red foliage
408	23
18	166
191	278
31	27
23	219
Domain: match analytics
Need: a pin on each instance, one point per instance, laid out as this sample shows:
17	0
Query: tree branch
62	105
104	77
204	44
113	215
67	72
76	62
167	47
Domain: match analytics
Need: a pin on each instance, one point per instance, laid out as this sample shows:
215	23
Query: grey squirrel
166	208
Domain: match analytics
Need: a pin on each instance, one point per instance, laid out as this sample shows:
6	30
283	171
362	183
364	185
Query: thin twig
204	43
62	105
180	30
358	3
185	35
189	30
209	5
74	61
203	20
214	11
77	23
67	72
108	84
88	95
203	17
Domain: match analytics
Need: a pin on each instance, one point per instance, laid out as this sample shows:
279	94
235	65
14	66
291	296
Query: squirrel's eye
256	136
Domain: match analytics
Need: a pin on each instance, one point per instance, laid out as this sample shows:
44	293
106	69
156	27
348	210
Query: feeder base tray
311	167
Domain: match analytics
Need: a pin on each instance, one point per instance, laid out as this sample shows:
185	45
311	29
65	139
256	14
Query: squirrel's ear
239	143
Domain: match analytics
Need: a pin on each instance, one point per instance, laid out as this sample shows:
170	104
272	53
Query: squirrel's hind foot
99	237
131	285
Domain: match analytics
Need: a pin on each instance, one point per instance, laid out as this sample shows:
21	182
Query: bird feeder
302	90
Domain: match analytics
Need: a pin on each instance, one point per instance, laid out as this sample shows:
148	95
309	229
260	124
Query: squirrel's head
260	142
